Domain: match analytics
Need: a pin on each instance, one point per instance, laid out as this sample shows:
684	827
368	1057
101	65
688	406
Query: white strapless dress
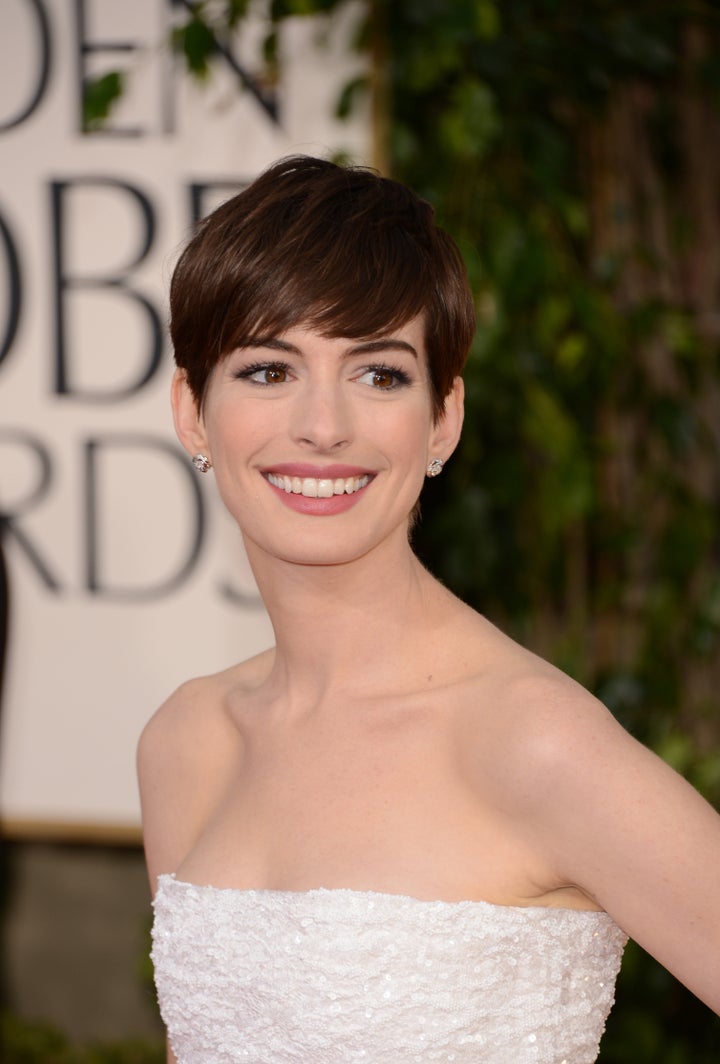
341	976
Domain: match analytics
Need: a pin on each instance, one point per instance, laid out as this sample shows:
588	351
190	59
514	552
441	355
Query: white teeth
314	488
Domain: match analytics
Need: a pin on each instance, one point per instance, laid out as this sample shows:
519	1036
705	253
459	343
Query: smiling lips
318	487
320	491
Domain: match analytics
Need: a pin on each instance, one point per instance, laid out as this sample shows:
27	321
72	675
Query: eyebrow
365	347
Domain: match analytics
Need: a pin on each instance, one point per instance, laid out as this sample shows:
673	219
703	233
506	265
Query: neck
332	623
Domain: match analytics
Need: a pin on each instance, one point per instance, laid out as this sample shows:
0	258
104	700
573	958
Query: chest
330	784
369	801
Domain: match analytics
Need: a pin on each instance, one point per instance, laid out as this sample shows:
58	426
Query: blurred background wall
121	576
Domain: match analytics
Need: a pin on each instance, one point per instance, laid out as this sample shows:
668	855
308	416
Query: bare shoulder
556	718
536	722
184	753
193	721
194	711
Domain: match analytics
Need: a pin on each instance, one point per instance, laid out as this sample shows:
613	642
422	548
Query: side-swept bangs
339	249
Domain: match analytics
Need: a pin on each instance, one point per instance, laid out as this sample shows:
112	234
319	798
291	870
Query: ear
445	433
188	422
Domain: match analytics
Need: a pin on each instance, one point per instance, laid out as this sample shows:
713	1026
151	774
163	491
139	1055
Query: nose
321	419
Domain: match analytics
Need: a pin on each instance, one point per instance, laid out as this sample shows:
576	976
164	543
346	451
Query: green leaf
99	97
358	87
196	42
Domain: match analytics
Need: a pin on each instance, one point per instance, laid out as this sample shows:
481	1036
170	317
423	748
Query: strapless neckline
381	897
345	976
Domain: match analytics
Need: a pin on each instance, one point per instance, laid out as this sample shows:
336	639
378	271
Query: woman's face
320	445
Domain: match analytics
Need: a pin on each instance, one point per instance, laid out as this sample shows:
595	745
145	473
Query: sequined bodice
341	976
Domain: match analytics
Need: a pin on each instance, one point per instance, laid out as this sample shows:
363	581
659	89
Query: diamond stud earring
201	462
435	467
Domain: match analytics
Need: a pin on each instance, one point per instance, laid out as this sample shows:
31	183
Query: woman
396	835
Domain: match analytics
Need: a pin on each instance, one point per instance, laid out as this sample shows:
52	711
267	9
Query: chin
328	544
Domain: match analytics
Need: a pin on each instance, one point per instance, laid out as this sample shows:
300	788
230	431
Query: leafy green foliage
24	1042
196	41
197	38
99	97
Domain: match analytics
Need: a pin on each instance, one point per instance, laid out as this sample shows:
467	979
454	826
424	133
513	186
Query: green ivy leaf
99	97
196	42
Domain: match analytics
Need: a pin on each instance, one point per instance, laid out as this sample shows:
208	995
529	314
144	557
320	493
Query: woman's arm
180	762
627	830
162	771
172	758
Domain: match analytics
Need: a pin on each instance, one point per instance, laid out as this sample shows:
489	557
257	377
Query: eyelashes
378	376
274	373
385	378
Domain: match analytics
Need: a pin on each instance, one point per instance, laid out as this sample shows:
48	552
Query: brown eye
275	375
265	373
383	378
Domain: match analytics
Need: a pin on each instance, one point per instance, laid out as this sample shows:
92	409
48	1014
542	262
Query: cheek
408	417
413	430
233	431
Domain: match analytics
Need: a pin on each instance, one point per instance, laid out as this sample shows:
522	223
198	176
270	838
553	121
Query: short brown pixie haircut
338	249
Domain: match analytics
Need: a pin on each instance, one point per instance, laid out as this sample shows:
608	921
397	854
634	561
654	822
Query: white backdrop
125	578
